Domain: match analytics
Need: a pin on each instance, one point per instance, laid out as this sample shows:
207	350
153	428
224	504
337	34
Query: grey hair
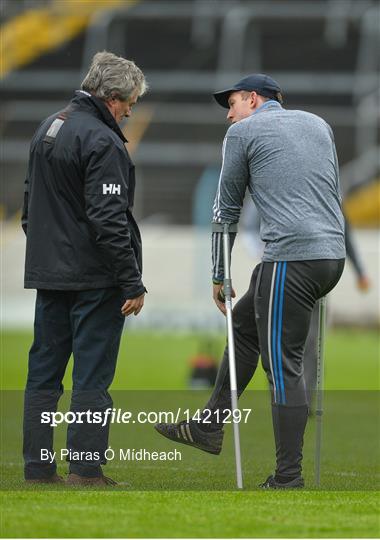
113	76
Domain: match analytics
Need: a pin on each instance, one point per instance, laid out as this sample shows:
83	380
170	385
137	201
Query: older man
287	161
83	255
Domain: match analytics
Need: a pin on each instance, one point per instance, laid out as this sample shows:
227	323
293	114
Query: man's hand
363	283
133	305
218	296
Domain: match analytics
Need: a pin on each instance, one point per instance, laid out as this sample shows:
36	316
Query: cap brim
222	97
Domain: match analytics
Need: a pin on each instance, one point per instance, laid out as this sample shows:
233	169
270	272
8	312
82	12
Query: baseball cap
258	82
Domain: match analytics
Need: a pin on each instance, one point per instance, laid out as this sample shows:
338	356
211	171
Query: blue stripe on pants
274	330
279	335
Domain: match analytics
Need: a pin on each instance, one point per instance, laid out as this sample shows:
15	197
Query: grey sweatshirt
288	162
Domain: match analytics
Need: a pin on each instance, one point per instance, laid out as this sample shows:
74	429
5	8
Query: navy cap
258	82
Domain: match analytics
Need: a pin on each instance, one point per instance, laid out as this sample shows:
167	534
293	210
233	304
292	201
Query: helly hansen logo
111	189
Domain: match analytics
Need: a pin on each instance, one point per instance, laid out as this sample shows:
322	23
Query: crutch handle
227	288
221	296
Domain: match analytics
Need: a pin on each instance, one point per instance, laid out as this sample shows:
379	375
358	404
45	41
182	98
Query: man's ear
253	99
110	104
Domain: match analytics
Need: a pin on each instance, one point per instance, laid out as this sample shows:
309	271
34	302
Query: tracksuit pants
272	320
89	325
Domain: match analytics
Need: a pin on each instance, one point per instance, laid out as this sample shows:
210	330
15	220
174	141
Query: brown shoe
55	479
77	480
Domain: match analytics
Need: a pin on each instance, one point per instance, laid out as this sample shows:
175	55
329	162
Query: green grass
196	497
160	361
190	514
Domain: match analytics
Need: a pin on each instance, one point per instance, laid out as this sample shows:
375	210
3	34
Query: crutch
227	290
319	397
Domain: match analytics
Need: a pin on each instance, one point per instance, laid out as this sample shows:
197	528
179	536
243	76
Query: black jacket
79	194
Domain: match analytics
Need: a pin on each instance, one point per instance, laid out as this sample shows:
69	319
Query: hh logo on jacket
111	189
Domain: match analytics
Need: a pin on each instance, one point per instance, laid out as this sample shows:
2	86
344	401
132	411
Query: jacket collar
270	104
97	106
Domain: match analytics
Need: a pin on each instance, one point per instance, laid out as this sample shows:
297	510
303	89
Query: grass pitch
196	498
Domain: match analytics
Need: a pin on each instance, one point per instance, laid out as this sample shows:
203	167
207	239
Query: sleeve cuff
133	292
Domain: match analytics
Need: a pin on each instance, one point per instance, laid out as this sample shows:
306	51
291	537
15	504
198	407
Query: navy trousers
89	325
272	320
